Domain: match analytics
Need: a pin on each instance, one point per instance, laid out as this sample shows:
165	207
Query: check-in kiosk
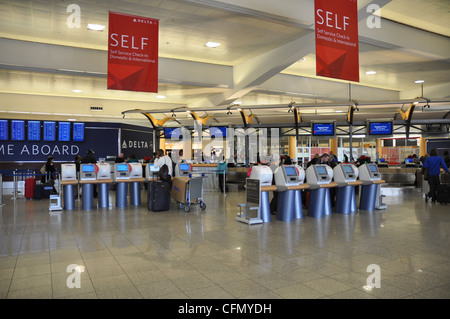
87	181
136	177
183	170
151	172
69	180
103	181
265	176
289	181
345	176
320	179
370	177
121	178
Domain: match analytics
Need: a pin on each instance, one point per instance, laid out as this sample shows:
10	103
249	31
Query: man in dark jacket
89	158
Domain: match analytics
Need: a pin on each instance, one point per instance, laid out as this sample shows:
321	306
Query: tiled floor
136	253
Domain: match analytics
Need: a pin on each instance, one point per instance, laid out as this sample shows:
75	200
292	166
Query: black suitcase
443	193
158	196
42	191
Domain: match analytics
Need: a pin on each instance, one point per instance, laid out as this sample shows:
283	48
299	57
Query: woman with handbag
432	171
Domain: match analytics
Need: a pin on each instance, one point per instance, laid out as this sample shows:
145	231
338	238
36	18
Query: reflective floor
136	253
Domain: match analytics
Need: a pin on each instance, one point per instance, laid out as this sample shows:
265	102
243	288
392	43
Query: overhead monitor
64	131
34	130
220	131
49	131
172	133
78	132
4	136
17	130
323	129
380	128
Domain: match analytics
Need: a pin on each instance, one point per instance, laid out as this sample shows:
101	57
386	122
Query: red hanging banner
132	53
337	47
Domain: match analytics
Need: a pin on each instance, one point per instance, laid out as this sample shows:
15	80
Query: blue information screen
78	132
174	133
34	130
64	131
380	128
17	130
323	129
49	131
218	131
3	130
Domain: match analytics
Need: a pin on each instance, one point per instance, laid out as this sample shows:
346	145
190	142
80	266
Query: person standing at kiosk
433	166
89	158
162	159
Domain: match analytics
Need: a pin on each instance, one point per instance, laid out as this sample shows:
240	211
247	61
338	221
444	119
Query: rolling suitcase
30	185
443	193
38	192
158	196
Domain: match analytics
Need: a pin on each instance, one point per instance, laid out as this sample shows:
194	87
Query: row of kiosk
289	180
126	176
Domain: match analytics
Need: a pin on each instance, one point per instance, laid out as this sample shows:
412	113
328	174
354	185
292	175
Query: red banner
132	53
337	48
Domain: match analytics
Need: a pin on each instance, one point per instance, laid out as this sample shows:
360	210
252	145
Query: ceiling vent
97	108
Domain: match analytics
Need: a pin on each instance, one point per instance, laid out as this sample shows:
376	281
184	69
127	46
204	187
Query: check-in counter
370	177
103	181
319	178
264	175
345	176
69	181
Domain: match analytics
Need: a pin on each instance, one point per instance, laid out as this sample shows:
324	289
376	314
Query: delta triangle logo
124	144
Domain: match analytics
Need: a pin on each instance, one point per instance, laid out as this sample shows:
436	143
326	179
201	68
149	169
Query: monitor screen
64	131
78	132
408	160
348	169
4	130
185	167
218	131
34	130
321	170
152	168
172	132
323	129
373	168
380	128
17	130
49	131
382	160
290	171
122	167
87	168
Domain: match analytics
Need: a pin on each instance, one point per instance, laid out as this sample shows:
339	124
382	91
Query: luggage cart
194	192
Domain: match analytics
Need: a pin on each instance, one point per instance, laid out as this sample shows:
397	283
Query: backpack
164	173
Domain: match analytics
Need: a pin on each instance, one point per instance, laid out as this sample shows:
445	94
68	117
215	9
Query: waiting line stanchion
1	189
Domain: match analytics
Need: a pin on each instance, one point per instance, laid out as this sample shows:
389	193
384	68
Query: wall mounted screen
323	129
64	131
78	132
4	130
380	128
17	130
34	130
49	131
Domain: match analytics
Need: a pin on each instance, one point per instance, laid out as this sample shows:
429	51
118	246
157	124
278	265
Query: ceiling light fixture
95	27
77	91
160	96
212	44
419	81
371	72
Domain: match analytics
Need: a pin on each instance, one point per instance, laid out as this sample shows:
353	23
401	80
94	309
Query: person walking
433	165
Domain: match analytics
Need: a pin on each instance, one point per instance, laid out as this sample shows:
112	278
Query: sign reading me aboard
132	53
337	49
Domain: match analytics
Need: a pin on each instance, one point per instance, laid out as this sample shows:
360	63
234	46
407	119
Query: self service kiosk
287	180
320	179
87	180
265	176
151	172
103	181
69	180
182	170
345	176
370	177
121	177
136	178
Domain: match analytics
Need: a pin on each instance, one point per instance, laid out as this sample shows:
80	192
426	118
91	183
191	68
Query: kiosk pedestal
103	193
87	195
369	196
264	207
320	201
290	204
121	194
135	191
69	195
345	200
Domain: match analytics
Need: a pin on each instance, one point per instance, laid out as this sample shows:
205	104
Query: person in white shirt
162	159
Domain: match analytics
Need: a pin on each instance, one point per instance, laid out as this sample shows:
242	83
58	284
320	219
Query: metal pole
1	189
224	184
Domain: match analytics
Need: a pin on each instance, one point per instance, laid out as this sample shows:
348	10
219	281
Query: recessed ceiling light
160	97
212	44
371	72
77	91
72	120
95	27
339	111
419	81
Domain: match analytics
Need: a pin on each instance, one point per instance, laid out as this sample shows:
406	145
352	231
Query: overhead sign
132	53
337	47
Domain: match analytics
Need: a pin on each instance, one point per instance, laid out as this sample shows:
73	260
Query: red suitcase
30	185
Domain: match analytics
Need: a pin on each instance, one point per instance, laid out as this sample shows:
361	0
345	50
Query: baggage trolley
194	192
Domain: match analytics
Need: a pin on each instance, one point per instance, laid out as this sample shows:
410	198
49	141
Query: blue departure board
34	130
49	131
17	130
64	131
78	132
4	130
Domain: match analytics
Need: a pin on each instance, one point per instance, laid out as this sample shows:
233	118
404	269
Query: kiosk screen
185	167
348	169
88	168
321	170
373	168
290	171
122	167
153	168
